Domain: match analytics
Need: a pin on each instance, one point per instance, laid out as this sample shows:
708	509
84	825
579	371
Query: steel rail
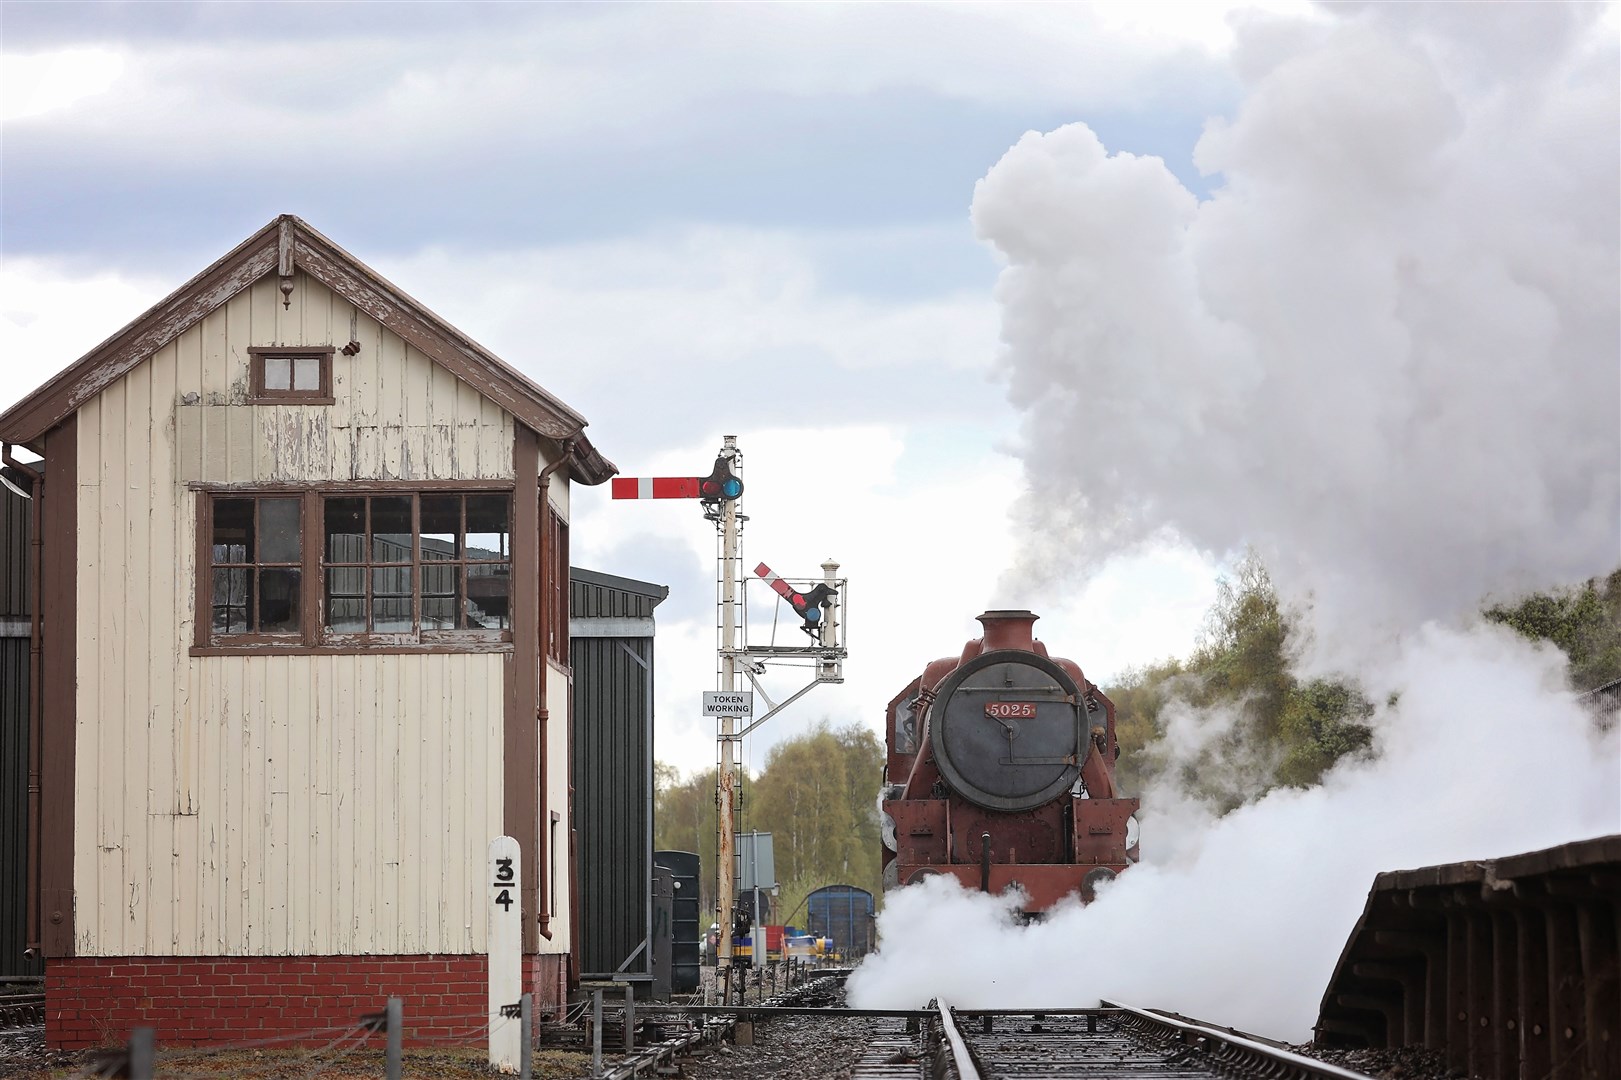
1224	1046
662	1053
717	1024
766	1011
960	1057
21	1010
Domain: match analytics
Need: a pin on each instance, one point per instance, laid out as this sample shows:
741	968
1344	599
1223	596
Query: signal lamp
720	485
808	606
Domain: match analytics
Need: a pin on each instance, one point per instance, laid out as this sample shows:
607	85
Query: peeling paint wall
397	415
271	805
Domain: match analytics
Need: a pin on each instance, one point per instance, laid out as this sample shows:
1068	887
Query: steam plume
1384	351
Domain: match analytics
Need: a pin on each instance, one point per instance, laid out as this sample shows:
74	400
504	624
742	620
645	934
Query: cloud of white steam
1385	351
1240	919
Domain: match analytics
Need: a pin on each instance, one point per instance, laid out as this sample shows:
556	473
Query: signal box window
370	575
291	376
418	570
438	566
255	572
466	562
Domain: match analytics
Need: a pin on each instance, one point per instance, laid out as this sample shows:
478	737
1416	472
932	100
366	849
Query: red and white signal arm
719	486
655	487
807	604
781	587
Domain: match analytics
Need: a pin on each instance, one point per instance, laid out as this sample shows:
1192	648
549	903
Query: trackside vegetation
1583	620
1282	730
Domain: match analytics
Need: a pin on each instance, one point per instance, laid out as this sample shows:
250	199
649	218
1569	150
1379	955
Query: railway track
1112	1041
21	1011
942	1043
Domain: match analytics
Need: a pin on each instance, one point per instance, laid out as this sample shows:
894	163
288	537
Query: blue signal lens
732	488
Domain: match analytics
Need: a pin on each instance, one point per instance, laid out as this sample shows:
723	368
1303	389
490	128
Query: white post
506	952
730	587
832	670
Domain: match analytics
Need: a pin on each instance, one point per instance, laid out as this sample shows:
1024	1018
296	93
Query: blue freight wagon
843	913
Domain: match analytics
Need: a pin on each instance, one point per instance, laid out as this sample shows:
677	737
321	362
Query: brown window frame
255	568
314	634
259	395
556	597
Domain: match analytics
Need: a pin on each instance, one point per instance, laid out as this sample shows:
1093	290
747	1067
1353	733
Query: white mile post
506	952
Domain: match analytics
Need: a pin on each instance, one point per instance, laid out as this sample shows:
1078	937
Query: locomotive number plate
1010	710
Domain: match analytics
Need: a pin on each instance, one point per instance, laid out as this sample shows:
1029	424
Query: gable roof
286	244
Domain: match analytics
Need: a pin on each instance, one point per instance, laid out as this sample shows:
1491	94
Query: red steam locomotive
1001	772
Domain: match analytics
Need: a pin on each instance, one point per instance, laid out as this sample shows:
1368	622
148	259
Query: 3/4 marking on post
506	950
505	878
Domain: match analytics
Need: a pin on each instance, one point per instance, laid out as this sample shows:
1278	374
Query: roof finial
284	258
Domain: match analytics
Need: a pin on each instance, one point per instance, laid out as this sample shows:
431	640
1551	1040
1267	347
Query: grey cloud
34	24
503	126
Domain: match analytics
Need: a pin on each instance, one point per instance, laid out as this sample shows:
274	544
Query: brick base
546	976
201	1000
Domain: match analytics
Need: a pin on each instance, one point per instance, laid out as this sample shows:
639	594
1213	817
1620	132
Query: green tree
1243	653
817	796
1290	732
863	771
1584	621
1139	696
684	820
1285	732
802	799
1322	722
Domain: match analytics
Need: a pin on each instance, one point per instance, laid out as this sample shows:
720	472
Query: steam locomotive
1001	773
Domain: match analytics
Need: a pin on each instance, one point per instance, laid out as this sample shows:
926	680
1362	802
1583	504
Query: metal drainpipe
36	726
542	714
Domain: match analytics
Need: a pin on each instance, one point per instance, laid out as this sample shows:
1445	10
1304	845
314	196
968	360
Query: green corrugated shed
611	645
15	522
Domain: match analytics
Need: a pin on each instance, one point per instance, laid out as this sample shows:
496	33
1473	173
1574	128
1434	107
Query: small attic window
284	376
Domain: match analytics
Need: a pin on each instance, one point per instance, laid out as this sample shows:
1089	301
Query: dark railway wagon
843	913
684	911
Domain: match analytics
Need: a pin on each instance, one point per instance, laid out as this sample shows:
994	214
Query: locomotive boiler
1001	773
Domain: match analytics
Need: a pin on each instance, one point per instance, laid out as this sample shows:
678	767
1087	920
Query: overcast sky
907	254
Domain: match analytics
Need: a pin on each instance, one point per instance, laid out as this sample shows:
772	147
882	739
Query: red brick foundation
546	975
192	1000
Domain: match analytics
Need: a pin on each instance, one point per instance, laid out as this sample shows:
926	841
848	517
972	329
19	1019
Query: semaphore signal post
817	605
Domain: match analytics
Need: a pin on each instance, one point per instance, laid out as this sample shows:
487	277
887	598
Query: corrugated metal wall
15	522
611	626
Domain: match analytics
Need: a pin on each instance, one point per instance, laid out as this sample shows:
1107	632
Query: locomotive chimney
1009	630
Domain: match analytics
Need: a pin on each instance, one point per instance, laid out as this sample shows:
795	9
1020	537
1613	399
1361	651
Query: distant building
1605	702
305	652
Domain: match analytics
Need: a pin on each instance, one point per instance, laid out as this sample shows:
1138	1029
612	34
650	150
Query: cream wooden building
303	653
